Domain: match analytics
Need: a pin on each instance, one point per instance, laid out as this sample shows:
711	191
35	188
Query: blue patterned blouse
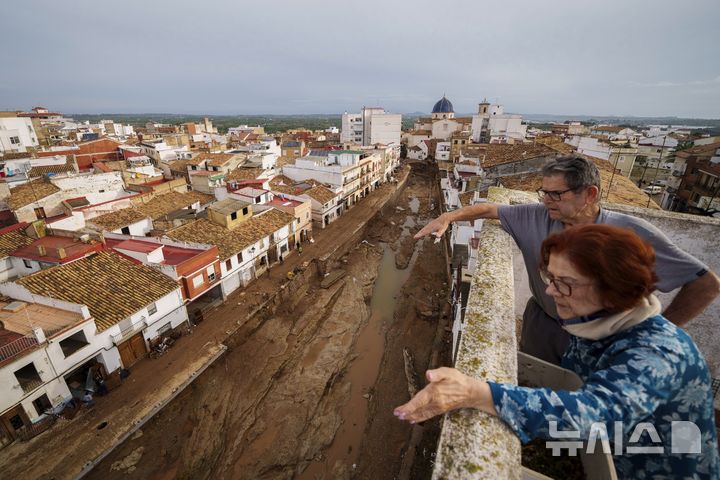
652	379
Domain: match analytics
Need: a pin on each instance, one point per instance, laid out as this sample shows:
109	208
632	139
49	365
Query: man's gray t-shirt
530	224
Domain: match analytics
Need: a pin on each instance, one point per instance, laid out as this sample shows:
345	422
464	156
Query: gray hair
577	171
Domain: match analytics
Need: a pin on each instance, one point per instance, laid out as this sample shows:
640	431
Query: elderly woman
637	367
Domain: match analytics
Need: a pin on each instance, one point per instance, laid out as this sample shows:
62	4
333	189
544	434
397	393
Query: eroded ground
307	390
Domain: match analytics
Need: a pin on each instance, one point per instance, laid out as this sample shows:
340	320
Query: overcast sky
609	57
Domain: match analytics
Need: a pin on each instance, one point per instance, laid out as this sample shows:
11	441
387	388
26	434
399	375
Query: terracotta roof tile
117	219
161	205
11	241
466	198
231	242
181	165
68	166
112	287
214	159
498	154
320	193
244	174
30	192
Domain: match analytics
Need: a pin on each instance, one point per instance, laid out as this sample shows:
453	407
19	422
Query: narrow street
307	385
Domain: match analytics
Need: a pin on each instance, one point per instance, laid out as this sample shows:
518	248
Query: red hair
617	259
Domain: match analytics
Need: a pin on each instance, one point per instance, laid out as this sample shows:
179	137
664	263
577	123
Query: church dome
443	106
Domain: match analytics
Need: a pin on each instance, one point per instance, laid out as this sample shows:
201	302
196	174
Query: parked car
653	190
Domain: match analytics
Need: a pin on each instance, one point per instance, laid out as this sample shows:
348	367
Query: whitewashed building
372	126
17	134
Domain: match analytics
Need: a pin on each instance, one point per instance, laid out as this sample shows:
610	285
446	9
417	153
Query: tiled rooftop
216	159
161	205
68	166
172	254
117	219
12	238
112	287
320	193
283	184
56	249
181	165
498	154
465	198
30	192
231	242
244	174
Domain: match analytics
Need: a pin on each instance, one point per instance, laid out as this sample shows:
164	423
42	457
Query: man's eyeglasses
563	288
553	195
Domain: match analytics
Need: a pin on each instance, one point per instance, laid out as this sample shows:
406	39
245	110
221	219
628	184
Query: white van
654	190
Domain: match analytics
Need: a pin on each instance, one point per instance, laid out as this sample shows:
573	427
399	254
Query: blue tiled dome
443	106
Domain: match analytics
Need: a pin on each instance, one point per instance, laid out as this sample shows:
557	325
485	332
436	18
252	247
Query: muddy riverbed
307	391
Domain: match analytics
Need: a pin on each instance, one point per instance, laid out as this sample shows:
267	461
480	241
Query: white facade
352	128
492	125
372	126
590	146
442	151
445	128
17	134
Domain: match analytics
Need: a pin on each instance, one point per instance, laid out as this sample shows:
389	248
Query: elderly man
571	194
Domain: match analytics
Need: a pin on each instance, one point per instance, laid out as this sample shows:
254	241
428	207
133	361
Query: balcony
119	338
16	347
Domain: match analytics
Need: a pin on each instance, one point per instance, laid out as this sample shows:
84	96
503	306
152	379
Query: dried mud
291	398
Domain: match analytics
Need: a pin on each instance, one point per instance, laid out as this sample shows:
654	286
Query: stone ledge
473	444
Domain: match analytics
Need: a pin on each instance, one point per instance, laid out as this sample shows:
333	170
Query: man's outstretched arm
471	212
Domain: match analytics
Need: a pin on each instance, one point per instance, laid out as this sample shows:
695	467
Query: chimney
61	253
41	250
39	334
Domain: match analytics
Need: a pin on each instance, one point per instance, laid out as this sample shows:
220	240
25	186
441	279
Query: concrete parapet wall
474	444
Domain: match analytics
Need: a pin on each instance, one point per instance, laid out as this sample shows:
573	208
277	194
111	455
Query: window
125	230
27	263
164	329
245	211
211	273
152	309
239	257
233	216
42	404
28	377
198	280
228	264
15	140
16	422
73	343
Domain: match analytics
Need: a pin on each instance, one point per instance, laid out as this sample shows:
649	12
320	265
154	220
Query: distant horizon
414	113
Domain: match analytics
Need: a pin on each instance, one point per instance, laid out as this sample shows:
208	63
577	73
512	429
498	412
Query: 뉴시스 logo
685	438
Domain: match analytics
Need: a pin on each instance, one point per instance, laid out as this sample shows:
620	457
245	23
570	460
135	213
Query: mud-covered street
306	388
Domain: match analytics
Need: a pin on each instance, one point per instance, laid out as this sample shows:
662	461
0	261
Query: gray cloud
321	56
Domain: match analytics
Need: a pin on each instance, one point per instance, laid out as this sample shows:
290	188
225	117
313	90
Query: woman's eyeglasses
564	288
